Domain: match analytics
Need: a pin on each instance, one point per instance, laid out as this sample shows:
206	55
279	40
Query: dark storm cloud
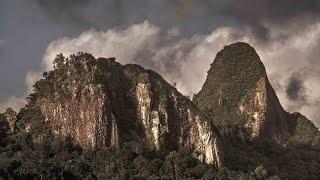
254	13
84	13
295	89
249	13
204	14
29	26
64	10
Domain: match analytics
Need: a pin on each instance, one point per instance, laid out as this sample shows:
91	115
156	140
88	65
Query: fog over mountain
160	89
178	39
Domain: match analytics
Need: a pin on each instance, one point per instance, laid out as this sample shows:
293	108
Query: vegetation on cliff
254	126
31	148
234	73
34	153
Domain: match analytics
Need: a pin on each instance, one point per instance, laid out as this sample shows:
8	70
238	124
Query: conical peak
237	55
236	70
237	91
237	48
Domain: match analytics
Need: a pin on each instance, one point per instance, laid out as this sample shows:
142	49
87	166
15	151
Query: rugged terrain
237	92
239	99
95	118
99	102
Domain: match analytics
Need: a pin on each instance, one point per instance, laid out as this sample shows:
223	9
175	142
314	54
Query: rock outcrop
235	121
99	102
237	92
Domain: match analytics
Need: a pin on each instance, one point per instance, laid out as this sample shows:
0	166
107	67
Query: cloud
12	102
93	13
31	79
295	89
195	14
190	15
68	11
149	46
125	44
291	63
17	103
294	61
258	14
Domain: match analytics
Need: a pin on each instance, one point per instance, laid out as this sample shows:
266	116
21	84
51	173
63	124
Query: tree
58	61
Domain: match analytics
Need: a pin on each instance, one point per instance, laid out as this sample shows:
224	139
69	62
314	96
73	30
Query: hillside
94	118
240	100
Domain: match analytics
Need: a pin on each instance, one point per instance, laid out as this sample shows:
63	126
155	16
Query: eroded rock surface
99	102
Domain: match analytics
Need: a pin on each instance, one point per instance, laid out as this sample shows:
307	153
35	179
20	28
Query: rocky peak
237	92
99	102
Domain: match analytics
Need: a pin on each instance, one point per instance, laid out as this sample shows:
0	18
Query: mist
180	39
186	61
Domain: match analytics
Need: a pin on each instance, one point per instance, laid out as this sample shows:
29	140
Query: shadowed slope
237	92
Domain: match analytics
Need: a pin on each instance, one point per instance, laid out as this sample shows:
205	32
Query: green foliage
305	133
232	78
233	74
4	125
33	152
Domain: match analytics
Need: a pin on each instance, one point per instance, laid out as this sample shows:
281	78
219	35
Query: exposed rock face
86	117
98	102
237	92
170	120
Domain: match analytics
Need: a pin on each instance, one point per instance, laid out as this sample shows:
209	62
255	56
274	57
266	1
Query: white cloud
31	79
12	102
298	53
124	44
187	61
17	103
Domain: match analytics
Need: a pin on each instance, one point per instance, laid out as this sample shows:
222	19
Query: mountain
94	118
237	92
99	102
239	99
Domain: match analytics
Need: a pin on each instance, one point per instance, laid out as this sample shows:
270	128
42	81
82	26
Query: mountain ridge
133	116
249	94
99	102
238	94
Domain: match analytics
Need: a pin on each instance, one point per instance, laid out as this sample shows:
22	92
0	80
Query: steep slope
237	92
255	128
303	132
100	103
97	119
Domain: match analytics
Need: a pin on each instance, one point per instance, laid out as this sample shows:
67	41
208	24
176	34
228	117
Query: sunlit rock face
237	92
265	116
171	121
99	102
86	117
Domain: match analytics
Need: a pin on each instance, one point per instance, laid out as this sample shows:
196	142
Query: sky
177	38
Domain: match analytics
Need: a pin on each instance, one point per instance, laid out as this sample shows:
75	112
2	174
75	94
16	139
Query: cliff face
235	121
237	92
99	102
